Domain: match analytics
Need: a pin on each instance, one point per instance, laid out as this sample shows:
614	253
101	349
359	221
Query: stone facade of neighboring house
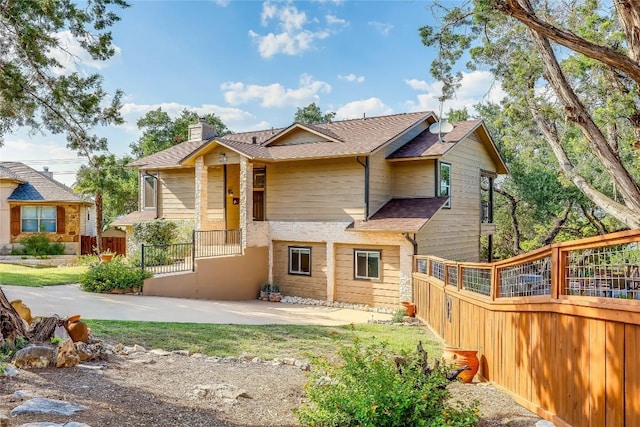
32	202
339	207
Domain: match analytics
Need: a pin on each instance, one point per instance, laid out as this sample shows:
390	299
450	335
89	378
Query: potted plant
106	255
264	292
274	293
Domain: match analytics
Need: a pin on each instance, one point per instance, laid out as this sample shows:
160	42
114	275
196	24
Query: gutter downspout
412	241
365	165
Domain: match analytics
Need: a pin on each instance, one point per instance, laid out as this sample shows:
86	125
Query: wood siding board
378	293
306	191
313	286
413	179
614	374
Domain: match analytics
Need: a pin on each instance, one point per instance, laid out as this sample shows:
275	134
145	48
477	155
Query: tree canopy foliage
312	114
160	131
571	72
36	91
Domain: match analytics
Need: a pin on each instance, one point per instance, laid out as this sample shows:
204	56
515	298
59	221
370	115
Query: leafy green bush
38	245
157	232
367	389
116	274
398	315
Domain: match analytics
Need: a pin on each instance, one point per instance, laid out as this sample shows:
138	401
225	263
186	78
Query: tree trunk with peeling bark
11	324
541	32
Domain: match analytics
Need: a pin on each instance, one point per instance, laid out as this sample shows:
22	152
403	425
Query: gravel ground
144	389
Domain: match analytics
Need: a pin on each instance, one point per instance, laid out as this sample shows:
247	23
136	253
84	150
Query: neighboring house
341	207
33	202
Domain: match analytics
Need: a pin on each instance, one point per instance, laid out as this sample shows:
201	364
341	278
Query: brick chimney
201	131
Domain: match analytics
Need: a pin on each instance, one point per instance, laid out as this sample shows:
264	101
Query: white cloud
475	87
291	37
236	119
334	20
222	3
351	78
44	151
382	27
275	95
356	109
70	55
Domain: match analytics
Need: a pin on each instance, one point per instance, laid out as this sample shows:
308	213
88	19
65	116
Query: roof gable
299	133
428	145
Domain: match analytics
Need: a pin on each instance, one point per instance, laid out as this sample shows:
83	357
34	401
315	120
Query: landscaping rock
222	391
67	355
35	356
160	352
40	405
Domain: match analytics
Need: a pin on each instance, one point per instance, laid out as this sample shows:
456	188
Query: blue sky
253	63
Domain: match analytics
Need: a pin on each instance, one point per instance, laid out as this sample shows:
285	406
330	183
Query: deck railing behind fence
180	257
558	328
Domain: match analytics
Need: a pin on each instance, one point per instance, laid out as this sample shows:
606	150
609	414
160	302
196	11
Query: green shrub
38	245
157	232
116	274
367	389
398	315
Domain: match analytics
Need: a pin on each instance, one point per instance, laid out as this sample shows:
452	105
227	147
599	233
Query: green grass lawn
265	341
20	275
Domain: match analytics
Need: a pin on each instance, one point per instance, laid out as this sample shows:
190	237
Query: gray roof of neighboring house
407	215
348	138
36	186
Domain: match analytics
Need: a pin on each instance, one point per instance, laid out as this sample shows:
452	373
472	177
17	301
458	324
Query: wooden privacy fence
117	245
557	328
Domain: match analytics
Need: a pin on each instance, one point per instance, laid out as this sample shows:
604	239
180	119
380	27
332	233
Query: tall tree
312	114
572	67
110	181
160	132
35	90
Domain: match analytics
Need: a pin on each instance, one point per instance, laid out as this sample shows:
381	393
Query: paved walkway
67	300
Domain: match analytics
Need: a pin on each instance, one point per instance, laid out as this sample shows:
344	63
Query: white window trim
300	250
377	253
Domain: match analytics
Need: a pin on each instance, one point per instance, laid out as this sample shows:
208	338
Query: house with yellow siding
331	211
33	202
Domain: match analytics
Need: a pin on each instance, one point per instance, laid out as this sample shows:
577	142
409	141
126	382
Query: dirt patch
144	389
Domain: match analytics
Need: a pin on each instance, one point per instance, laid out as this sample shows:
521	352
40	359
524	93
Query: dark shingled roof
37	186
427	145
351	137
401	215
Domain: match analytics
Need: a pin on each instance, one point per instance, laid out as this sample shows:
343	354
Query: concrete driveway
67	300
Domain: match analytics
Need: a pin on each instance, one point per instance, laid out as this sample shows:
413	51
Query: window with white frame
38	219
445	182
149	193
366	264
300	260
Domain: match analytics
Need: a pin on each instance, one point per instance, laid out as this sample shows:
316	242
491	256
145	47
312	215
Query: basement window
300	260
367	264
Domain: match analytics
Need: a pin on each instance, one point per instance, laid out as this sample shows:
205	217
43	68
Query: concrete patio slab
67	300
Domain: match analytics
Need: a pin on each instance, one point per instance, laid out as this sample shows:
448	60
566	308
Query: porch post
202	172
331	274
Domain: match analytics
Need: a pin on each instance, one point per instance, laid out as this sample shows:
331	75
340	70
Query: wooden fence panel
597	390
632	380
117	245
614	384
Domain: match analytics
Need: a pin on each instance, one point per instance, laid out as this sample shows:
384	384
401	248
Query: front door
232	196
